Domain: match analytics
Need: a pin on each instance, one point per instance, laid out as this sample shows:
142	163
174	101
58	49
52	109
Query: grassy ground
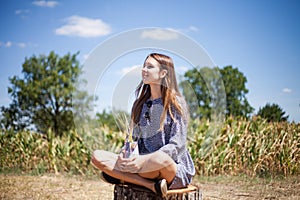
78	187
249	188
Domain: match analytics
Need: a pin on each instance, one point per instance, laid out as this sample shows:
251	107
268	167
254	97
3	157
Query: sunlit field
238	159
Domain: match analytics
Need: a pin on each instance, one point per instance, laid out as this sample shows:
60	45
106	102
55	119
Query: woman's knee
162	159
97	154
103	159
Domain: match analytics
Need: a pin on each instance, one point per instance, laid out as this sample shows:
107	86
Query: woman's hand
121	163
135	164
130	165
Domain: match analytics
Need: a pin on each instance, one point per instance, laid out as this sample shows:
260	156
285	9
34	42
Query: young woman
159	117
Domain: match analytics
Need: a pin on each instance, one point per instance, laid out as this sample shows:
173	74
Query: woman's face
151	72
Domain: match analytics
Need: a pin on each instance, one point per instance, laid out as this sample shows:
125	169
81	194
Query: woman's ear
163	73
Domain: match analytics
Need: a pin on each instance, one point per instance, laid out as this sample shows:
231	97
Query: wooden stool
134	192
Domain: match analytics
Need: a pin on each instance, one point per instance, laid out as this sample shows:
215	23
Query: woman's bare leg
158	166
106	161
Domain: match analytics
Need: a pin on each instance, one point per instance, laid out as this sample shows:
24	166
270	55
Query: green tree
9	118
42	99
107	118
216	90
235	86
272	113
116	120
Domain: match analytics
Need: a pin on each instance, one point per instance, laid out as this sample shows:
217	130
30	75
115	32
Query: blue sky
260	37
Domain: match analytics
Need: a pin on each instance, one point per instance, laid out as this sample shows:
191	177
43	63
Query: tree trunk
133	192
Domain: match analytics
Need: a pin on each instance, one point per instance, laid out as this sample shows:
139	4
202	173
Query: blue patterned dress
172	141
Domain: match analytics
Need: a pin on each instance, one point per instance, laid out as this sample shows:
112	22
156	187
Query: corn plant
252	147
255	148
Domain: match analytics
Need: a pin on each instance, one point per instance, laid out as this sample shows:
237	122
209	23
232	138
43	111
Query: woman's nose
144	69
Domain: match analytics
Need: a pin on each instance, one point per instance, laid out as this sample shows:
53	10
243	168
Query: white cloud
8	44
193	28
49	4
83	27
159	34
22	45
21	12
18	12
286	90
133	70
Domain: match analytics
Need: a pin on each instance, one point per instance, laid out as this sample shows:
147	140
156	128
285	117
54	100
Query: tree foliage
235	86
272	113
217	90
42	98
116	120
107	118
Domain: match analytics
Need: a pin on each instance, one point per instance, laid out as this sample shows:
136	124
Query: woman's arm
177	143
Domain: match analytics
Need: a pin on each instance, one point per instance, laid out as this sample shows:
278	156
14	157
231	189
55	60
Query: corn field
35	153
255	148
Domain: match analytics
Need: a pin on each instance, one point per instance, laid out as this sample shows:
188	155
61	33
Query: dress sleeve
178	137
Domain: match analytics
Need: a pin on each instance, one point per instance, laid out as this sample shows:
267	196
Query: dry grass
234	188
52	187
78	187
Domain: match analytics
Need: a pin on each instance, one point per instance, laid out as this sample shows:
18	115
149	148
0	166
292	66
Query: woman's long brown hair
169	91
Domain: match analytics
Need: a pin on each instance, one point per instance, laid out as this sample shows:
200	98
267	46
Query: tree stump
134	192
